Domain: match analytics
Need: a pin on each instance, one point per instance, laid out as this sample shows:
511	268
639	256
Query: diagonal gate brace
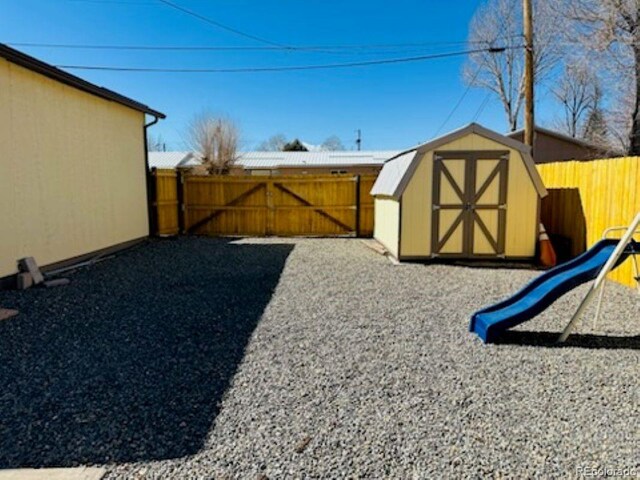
316	209
217	212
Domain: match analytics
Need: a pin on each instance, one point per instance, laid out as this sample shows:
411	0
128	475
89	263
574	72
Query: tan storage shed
470	194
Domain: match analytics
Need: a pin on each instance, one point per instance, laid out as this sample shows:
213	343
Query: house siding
72	177
548	148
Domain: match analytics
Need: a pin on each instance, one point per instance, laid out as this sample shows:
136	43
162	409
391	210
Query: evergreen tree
294	146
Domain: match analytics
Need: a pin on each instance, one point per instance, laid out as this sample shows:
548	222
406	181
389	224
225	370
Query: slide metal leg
576	316
601	278
599	307
636	271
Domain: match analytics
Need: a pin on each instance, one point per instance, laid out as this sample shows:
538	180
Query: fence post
357	206
181	205
152	183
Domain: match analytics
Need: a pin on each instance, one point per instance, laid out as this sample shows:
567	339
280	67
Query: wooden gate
469	203
259	206
320	205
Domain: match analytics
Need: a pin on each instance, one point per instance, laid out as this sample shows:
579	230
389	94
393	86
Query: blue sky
395	106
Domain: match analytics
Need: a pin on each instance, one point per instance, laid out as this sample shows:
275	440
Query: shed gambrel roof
392	173
393	179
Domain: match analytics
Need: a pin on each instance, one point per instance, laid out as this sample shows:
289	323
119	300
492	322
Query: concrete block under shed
28	264
24	280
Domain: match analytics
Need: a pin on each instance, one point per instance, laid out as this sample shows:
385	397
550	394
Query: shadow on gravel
130	361
576	340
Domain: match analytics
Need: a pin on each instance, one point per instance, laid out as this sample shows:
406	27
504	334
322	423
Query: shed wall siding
72	177
522	203
387	223
416	211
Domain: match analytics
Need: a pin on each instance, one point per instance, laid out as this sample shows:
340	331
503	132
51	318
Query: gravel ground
200	358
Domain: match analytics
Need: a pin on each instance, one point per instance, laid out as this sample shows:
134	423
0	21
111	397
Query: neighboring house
73	172
470	194
551	146
312	163
171	160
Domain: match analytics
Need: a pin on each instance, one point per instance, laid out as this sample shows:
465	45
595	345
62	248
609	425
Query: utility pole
359	139
529	121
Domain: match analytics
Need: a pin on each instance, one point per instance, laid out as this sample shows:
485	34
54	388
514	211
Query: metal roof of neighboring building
393	179
38	66
172	159
553	133
271	160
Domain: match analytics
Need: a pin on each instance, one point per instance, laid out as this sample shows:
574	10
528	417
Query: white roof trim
392	181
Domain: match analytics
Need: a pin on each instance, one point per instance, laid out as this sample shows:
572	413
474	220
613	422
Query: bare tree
275	143
498	24
596	129
610	32
578	92
620	120
215	141
332	143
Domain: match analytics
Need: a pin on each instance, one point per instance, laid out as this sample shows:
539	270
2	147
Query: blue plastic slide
490	322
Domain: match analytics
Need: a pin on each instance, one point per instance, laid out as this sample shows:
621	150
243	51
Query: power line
232	47
482	106
221	25
284	68
457	105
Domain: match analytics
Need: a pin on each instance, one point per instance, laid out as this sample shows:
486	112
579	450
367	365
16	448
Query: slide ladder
636	272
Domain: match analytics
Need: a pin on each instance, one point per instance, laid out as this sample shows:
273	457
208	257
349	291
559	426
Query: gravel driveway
205	358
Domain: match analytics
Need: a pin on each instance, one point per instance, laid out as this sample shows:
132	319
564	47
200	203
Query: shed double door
469	204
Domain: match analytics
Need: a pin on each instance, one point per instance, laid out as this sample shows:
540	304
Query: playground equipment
636	274
538	295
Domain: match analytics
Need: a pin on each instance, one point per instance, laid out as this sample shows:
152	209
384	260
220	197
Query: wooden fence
585	198
302	205
166	204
